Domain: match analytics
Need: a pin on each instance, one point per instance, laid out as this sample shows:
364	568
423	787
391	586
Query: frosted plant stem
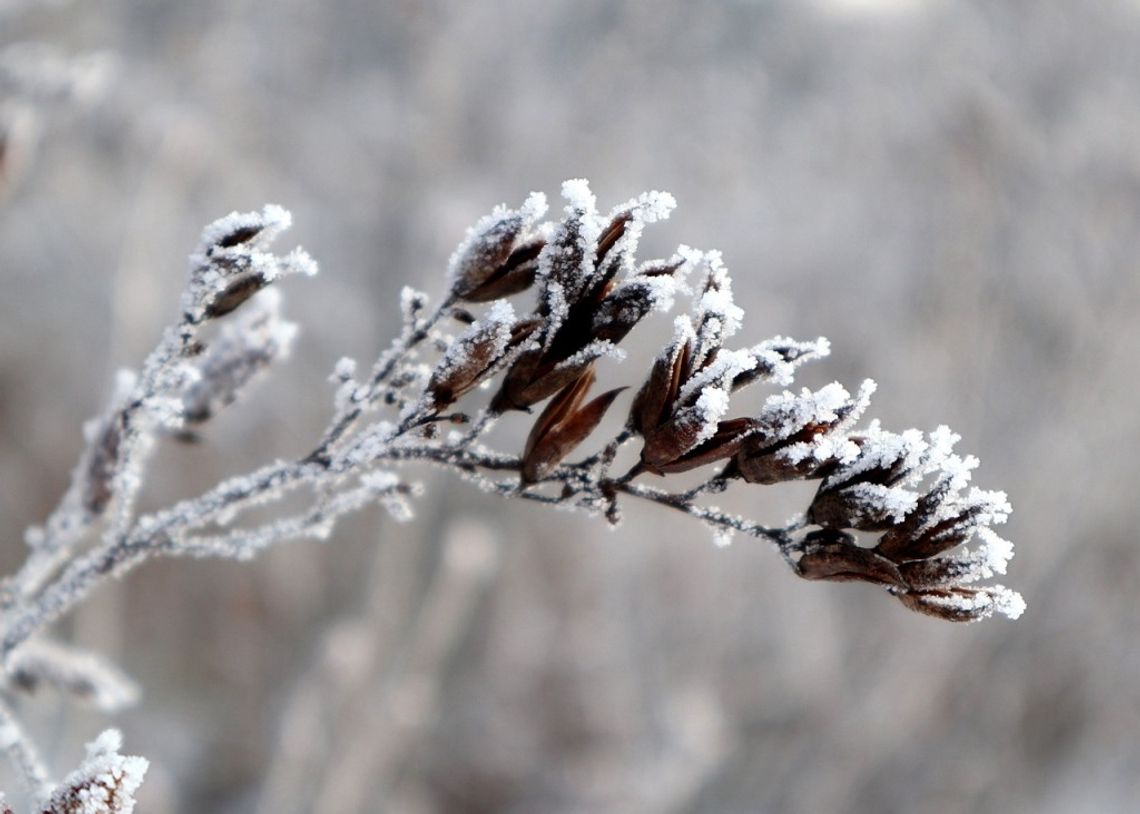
23	754
935	543
412	335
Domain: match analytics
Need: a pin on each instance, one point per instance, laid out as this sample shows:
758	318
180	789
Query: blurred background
950	191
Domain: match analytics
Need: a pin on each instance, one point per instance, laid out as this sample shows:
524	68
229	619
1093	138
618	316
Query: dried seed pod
802	436
652	405
964	604
477	354
232	262
498	255
585	310
727	439
562	426
516	274
942	520
833	555
863	492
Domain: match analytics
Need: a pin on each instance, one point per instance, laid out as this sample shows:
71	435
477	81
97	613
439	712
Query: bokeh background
950	191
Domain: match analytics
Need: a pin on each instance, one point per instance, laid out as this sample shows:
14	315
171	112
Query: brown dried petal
651	406
515	275
673	439
240	235
952	604
236	293
724	444
519	376
486	253
843	561
759	460
566	402
769	469
551	379
622	310
449	383
611	235
847	509
903	540
562	427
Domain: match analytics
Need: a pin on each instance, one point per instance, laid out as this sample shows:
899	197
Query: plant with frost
933	545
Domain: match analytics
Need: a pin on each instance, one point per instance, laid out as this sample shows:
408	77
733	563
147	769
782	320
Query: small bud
477	354
499	255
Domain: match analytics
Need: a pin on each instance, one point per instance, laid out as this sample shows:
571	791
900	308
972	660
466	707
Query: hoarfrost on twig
935	544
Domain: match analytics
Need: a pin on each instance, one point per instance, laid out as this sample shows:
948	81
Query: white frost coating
722	537
105	783
534	207
578	196
272	220
501	312
649	207
1007	602
716	303
214	267
84	675
771	355
710	408
876	499
597	349
995	503
998	551
785	414
345	369
661	291
719	375
882	449
521	221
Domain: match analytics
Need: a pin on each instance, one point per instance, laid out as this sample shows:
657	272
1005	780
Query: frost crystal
105	783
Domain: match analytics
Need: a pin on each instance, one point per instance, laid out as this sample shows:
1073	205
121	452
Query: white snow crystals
105	783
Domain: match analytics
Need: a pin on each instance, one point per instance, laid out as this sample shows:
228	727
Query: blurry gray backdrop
950	191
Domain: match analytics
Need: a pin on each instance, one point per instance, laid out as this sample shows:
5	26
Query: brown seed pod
563	425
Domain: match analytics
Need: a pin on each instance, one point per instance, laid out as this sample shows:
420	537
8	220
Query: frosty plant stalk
532	309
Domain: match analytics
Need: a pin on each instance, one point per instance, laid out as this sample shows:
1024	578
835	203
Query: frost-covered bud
965	603
562	426
232	262
913	558
105	783
865	493
801	436
941	520
778	358
242	350
499	255
592	294
679	411
477	354
535	376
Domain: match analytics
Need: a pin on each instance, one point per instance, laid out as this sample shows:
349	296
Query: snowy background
950	191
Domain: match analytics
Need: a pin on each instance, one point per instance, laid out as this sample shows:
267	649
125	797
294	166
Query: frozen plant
933	545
